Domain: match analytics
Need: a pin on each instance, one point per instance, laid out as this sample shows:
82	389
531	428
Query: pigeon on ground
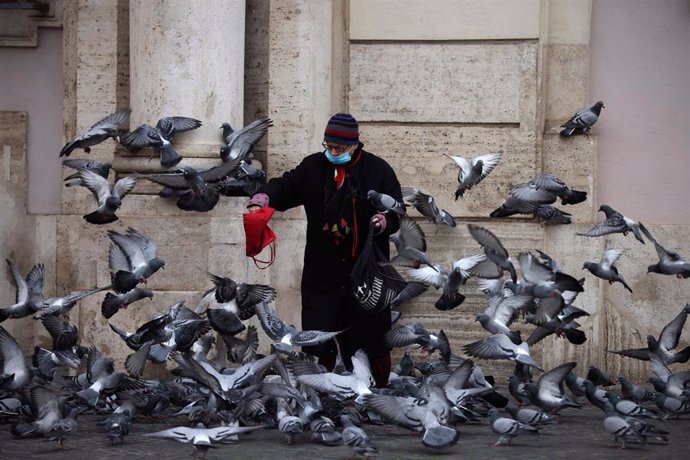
629	408
51	419
493	249
117	425
132	259
634	392
507	428
582	121
473	170
616	222
606	269
112	303
196	190
29	293
357	440
99	132
426	205
548	393
341	386
385	203
670	262
160	137
202	438
415	415
239	144
529	417
672	406
95	166
103	380
598	377
596	396
500	346
621	430
14	374
109	200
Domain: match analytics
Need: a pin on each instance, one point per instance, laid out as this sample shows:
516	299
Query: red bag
258	235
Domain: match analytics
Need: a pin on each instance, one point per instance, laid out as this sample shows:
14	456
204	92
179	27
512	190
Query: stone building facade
423	78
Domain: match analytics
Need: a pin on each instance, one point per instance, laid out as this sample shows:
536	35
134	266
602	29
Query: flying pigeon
202	438
426	205
238	144
615	222
493	249
410	243
112	303
473	170
98	167
29	295
606	269
670	262
98	133
132	259
108	201
548	393
160	137
500	346
582	121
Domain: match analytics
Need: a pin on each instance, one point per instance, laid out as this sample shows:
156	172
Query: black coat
327	303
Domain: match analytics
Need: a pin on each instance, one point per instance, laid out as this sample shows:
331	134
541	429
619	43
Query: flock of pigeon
222	387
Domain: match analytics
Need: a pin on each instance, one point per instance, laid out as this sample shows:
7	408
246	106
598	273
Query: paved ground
580	435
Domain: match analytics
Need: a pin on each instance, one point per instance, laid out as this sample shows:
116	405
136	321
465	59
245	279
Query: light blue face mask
339	160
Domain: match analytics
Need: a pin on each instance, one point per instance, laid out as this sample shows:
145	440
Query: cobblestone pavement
579	435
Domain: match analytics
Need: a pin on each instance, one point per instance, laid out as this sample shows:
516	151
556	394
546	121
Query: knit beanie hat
342	128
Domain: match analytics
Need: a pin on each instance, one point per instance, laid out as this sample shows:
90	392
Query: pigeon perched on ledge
583	120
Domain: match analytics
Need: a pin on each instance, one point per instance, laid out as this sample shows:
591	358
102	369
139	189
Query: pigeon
237	298
410	243
663	348
14	374
615	222
288	424
542	190
493	249
426	205
606	269
385	203
598	377
238	144
202	438
458	388
670	405
500	314
29	295
132	259
95	166
416	333
103	380
99	132
51	420
621	430
634	392
562	324
500	346
357	440
596	396
288	336
341	386
108	201
196	190
473	170
542	281
582	121
117	425
160	137
549	215
629	408
63	304
528	416
112	303
507	428
548	393
416	415
65	340
670	262
451	281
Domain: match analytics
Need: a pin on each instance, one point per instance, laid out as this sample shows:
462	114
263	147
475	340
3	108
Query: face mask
339	160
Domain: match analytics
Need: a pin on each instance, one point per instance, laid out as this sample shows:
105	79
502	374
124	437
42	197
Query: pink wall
640	68
31	81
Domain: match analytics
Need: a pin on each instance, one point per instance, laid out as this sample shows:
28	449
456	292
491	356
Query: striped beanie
342	128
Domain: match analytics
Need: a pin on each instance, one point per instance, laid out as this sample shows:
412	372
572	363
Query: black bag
374	282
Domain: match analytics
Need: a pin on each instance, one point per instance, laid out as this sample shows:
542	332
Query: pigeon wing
274	327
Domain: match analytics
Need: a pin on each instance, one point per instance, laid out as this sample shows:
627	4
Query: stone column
187	59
